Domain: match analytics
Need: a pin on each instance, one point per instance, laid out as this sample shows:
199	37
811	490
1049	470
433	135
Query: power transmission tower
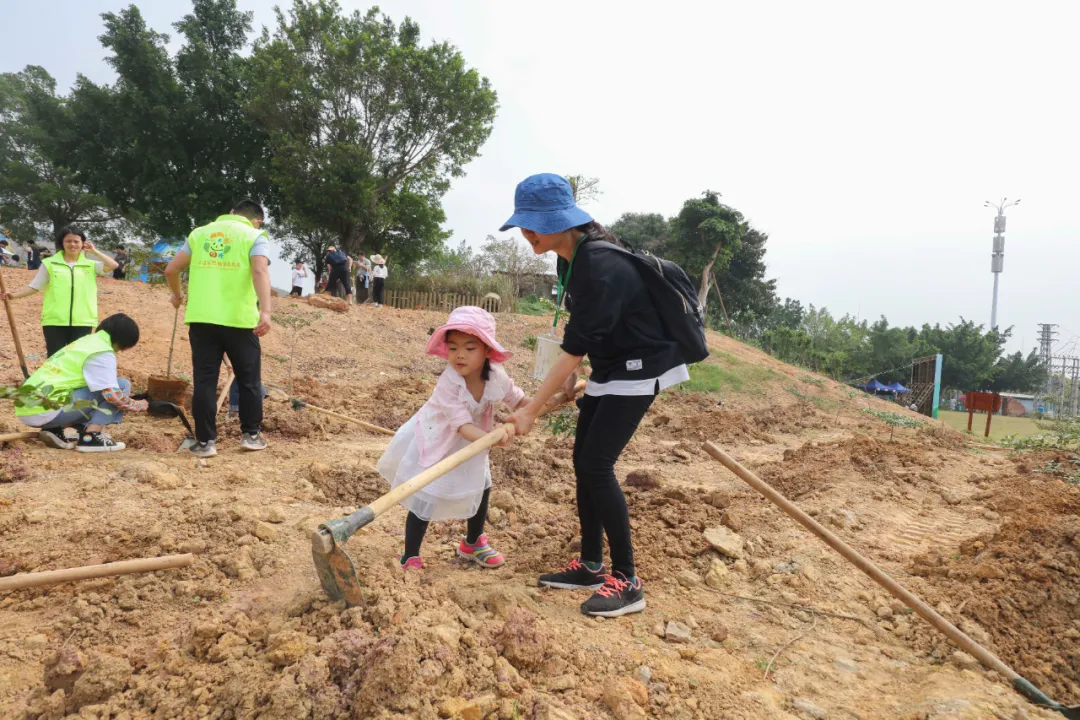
1046	344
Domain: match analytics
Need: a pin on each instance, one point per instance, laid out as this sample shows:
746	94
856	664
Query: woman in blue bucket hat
614	323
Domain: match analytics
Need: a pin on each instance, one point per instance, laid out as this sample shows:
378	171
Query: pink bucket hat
474	321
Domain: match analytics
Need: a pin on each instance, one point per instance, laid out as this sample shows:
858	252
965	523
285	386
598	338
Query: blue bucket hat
544	203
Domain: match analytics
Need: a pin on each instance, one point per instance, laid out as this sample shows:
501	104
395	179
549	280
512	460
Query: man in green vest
228	310
82	377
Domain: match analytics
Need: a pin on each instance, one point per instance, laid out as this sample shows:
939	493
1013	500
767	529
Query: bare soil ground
991	540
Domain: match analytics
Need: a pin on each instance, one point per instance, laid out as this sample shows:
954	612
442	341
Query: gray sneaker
55	439
204	450
253	442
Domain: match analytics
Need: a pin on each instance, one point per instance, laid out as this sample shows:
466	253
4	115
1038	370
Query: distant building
1017	404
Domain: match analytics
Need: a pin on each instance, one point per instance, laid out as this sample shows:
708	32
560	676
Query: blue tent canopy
896	387
875	386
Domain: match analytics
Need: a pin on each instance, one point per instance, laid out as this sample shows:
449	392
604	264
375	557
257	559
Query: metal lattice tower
1046	341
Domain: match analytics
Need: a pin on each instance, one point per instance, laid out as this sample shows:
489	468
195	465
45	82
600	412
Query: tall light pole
997	258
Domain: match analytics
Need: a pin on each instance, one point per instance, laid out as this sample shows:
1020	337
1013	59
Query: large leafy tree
170	142
362	118
1019	374
643	231
39	192
705	236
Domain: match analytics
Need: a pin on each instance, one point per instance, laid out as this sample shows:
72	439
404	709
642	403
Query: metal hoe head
335	568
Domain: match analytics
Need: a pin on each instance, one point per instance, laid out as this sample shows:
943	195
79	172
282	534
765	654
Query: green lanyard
563	283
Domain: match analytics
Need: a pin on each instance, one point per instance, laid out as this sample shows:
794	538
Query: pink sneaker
481	553
413	563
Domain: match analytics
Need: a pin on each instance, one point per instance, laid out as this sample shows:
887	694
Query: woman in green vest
83	374
69	280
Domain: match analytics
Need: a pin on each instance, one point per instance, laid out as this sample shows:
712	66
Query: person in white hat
378	275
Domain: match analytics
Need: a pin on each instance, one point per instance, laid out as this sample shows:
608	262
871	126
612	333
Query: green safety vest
71	295
220	291
63	372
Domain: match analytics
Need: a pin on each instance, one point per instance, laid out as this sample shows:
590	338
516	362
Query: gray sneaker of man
204	450
253	442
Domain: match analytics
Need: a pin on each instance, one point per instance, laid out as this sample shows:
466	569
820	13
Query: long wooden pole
14	330
346	418
927	613
172	342
18	436
124	567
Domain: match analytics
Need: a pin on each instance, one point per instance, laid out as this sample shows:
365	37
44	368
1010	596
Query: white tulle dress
432	434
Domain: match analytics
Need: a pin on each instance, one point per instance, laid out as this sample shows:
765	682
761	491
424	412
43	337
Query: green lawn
1000	426
723	372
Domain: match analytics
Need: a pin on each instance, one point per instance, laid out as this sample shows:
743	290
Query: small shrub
563	421
530	341
894	420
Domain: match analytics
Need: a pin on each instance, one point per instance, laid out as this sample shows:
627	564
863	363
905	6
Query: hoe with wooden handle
927	613
334	566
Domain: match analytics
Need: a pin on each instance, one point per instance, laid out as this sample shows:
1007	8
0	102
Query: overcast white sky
863	137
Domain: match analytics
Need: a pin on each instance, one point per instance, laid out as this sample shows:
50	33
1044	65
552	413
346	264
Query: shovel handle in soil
301	404
14	330
124	567
957	636
172	342
18	436
224	391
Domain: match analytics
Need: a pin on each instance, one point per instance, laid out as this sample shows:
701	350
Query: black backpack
675	299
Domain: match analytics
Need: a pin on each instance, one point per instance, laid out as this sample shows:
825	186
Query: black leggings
604	427
415	528
57	337
377	285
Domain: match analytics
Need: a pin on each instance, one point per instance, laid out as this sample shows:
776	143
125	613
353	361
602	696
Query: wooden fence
443	302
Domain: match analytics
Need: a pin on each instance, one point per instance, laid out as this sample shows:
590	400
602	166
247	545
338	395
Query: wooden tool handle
346	418
172	342
18	436
14	330
224	391
124	567
898	591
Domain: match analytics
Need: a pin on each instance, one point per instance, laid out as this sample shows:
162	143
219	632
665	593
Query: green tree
38	191
705	237
643	231
747	293
1019	374
170	142
585	189
357	110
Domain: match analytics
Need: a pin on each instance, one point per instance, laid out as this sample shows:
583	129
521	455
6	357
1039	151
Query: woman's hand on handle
560	372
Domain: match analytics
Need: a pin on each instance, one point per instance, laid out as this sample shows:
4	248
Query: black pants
339	274
361	291
604	427
208	344
297	291
377	290
57	337
415	528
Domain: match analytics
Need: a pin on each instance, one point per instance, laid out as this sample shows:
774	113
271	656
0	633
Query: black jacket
612	318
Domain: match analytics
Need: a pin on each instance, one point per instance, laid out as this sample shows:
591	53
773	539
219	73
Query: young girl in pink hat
460	411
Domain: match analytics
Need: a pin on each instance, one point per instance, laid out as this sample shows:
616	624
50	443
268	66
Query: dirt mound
691	416
1021	583
789	419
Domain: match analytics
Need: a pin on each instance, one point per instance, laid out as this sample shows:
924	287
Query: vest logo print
633	364
218	245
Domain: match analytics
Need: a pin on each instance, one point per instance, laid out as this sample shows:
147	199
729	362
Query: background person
363	278
228	264
33	257
122	260
378	279
614	322
85	370
69	281
299	274
339	264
